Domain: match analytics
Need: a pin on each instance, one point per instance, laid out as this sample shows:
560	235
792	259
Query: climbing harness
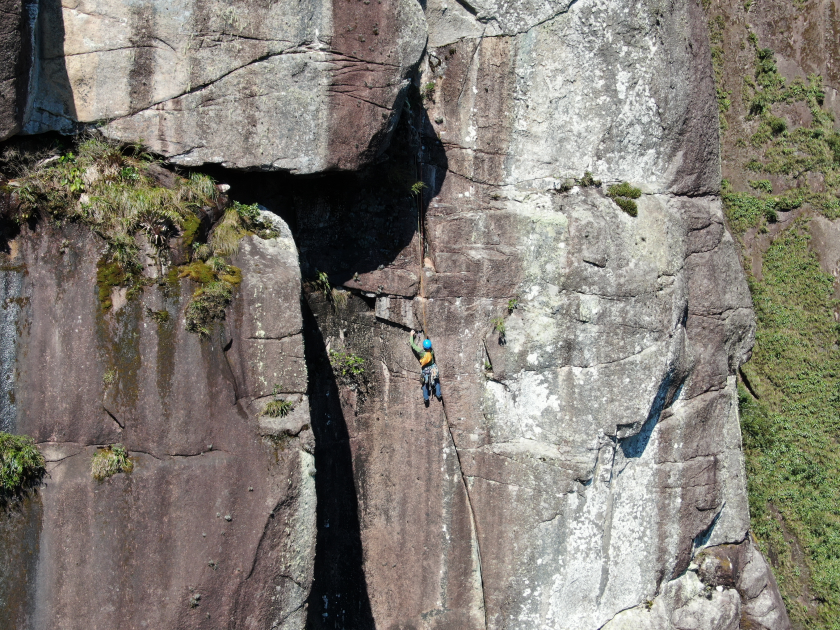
429	375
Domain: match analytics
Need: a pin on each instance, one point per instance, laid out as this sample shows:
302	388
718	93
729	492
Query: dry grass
109	461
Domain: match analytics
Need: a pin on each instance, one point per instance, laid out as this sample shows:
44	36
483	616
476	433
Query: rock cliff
219	510
584	469
17	38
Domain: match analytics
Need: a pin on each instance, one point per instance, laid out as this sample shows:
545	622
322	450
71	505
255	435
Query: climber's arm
417	349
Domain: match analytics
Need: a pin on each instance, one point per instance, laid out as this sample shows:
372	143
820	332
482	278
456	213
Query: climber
428	369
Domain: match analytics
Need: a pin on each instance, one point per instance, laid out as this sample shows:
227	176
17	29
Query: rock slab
216	523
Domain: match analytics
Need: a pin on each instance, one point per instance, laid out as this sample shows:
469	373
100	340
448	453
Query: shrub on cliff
116	191
349	369
120	193
110	188
208	305
109	461
278	408
21	463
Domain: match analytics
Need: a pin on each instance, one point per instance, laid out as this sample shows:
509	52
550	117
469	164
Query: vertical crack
473	521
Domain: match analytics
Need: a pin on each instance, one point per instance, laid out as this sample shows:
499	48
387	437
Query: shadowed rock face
220	506
248	85
16	50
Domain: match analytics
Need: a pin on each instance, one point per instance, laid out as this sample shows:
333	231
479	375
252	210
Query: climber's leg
437	389
426	393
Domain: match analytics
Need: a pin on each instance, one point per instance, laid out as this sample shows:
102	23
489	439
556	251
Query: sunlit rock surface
584	469
248	85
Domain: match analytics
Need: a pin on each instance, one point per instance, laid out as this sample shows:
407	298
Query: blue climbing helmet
427	345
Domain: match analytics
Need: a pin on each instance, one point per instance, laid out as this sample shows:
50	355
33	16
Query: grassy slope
790	430
790	395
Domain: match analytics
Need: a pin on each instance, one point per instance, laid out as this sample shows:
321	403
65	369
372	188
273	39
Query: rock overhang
303	88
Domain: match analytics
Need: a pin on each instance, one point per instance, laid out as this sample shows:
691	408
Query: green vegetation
278	408
109	377
587	180
161	317
21	464
790	429
761	185
623	195
789	392
745	211
500	327
417	188
208	305
322	283
339	298
111	189
109	275
218	279
792	153
106	186
109	461
716	28
346	366
512	304
428	90
190	229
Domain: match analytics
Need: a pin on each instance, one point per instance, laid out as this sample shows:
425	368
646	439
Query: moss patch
197	271
231	275
109	275
623	195
191	226
207	305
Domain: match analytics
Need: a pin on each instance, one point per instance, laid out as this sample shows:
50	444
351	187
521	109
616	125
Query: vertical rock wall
584	469
16	52
215	525
578	464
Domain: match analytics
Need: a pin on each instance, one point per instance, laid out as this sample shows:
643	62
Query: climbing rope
422	239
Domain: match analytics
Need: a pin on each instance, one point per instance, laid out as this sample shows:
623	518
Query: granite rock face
588	446
248	84
16	55
584	469
728	587
216	522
